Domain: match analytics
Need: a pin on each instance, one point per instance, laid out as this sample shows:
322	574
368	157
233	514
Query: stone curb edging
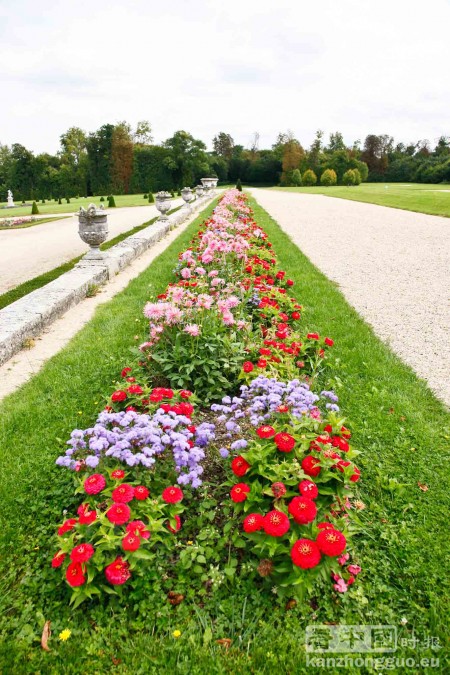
27	317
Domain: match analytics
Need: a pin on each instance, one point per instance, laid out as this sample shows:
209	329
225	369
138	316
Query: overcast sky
240	66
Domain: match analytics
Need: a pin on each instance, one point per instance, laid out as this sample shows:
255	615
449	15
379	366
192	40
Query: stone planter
93	229
163	204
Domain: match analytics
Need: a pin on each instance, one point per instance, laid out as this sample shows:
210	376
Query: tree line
121	160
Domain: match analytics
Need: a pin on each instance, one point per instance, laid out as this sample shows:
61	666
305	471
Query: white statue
10	198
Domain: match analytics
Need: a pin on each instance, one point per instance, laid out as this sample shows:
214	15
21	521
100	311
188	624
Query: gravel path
392	265
27	253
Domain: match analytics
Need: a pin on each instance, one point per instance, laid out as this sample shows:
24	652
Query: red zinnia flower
331	542
131	542
283	408
135	389
305	554
295	315
289	282
253	522
239	492
172	495
119	395
175	529
58	559
118	514
82	553
311	465
185	409
325	526
329	342
276	523
262	363
265	431
86	515
308	489
278	489
75	575
239	466
117	572
285	442
139	529
118	474
67	526
125	371
94	484
303	510
313	336
141	492
185	393
123	493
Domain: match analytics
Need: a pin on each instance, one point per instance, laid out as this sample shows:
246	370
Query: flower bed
228	329
19	220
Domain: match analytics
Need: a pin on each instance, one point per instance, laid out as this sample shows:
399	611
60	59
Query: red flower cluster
172	495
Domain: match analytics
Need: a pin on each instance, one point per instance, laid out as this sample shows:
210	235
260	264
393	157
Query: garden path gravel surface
392	265
29	252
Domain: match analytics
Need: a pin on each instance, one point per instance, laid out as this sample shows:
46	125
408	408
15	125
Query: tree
293	154
349	177
296	178
99	146
121	158
143	133
336	142
74	160
223	145
254	145
239	185
315	151
309	178
22	174
375	154
328	178
187	159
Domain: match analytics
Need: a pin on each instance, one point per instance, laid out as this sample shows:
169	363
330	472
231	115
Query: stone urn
199	190
93	229
209	184
163	204
187	195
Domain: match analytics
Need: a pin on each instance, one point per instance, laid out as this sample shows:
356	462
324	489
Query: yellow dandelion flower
176	633
65	634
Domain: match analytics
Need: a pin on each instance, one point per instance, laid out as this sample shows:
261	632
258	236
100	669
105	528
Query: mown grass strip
400	426
37	282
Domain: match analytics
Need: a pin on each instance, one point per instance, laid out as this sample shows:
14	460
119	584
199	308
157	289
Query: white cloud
242	66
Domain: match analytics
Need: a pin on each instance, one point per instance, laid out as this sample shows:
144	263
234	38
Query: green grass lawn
402	429
410	196
54	207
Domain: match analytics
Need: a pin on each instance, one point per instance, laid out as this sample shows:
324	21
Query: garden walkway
32	251
391	265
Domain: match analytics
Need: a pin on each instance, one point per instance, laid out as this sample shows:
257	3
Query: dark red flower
118	474
239	466
67	526
253	522
139	529
117	572
172	494
325	526
125	371
331	542
94	484
175	529
278	490
82	553
284	442
86	515
123	493
75	575
305	554
283	408
118	514
131	542
276	523
58	559
141	492
266	431
262	363
119	395
308	489
311	466
239	492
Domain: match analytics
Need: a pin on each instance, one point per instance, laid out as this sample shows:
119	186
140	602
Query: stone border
26	318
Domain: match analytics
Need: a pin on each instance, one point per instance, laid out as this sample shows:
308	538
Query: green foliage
239	185
102	199
42	201
145	196
349	178
67	200
111	202
309	178
151	198
296	178
34	209
59	200
328	178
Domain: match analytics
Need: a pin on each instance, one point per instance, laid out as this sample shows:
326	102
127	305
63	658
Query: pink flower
213	273
354	569
340	586
186	273
207	258
315	413
343	559
192	329
200	271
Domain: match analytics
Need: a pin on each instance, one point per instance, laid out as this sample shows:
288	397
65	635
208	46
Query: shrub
239	185
59	200
102	199
296	178
43	201
34	209
349	177
172	193
179	192
145	197
151	198
309	178
358	178
67	200
111	201
328	178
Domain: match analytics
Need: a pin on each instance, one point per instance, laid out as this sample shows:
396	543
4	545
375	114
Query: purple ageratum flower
223	452
239	444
